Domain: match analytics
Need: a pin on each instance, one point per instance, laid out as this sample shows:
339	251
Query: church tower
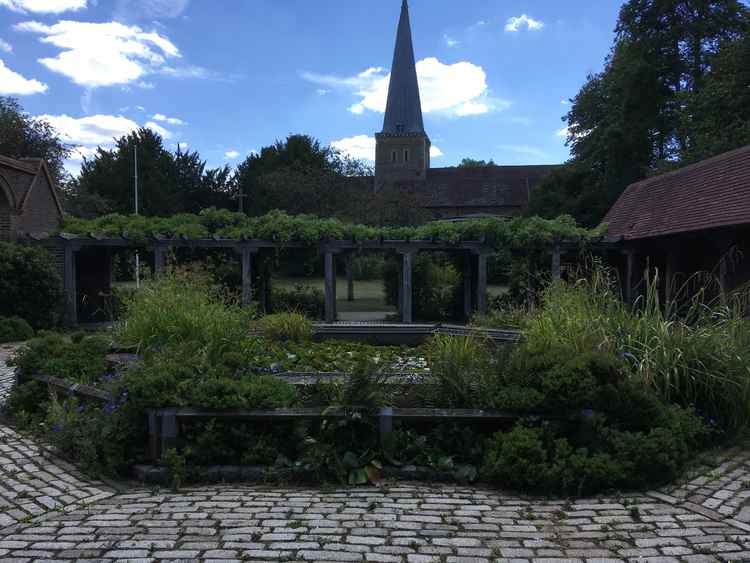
402	150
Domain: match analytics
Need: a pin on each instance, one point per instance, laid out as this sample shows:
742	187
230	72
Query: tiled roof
487	186
710	194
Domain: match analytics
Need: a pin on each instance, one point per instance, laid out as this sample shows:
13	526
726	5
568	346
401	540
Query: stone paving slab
402	524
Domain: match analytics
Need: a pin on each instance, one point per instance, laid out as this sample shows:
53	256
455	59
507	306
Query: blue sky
226	77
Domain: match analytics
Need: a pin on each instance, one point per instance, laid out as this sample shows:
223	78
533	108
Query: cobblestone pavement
7	376
50	512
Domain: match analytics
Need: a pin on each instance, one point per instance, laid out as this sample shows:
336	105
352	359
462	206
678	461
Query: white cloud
565	102
15	84
450	41
44	6
456	90
362	147
170	120
231	155
150	9
5	47
79	153
156	128
182	146
322	91
517	23
103	54
562	132
92	130
526	150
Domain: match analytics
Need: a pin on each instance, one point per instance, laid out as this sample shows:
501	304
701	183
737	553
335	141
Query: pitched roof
486	186
710	194
21	176
403	112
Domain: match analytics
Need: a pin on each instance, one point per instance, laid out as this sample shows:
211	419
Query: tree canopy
22	136
673	90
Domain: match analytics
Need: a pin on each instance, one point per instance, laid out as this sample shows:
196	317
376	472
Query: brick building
29	202
402	154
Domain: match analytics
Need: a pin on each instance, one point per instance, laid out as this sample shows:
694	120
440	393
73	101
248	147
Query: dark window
406	155
393	156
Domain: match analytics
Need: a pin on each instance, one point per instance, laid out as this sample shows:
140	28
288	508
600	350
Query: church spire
403	113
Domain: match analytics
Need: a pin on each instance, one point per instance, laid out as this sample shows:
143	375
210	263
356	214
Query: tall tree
299	175
24	136
628	121
472	163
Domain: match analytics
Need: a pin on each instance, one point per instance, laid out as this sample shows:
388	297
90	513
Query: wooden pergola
474	271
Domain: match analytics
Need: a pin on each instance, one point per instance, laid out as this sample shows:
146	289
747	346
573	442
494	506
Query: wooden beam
406	288
330	286
69	286
468	285
556	266
350	277
247	276
482	284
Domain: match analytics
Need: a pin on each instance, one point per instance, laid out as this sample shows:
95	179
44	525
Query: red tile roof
710	194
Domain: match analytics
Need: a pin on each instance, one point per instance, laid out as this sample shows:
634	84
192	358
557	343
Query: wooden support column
69	286
170	430
350	277
629	272
468	285
159	260
556	267
482	284
330	289
406	288
247	275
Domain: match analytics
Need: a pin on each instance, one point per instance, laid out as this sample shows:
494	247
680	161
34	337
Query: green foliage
673	89
515	234
368	267
177	466
28	402
24	136
281	327
30	285
14	329
168	182
53	354
460	364
303	299
436	283
691	351
181	308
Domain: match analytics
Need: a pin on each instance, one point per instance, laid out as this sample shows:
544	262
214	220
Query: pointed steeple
403	113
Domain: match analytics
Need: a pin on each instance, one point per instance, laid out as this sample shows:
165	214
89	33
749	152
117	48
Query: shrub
436	283
303	299
52	354
460	364
182	308
30	286
14	329
690	351
293	327
368	267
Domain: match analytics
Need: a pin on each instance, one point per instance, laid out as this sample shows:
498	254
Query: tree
299	175
168	183
22	136
628	121
471	163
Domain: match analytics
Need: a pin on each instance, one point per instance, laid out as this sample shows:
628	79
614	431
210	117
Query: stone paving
50	512
7	375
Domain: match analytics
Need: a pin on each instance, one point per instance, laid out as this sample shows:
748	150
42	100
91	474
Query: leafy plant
281	327
304	300
14	329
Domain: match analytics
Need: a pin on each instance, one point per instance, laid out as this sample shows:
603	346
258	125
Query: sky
228	77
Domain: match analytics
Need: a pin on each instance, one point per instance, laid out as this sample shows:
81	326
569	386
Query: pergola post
330	289
69	285
482	284
468	284
349	277
556	266
159	260
247	275
406	287
629	271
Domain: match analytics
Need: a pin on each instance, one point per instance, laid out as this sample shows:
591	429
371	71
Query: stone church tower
402	152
